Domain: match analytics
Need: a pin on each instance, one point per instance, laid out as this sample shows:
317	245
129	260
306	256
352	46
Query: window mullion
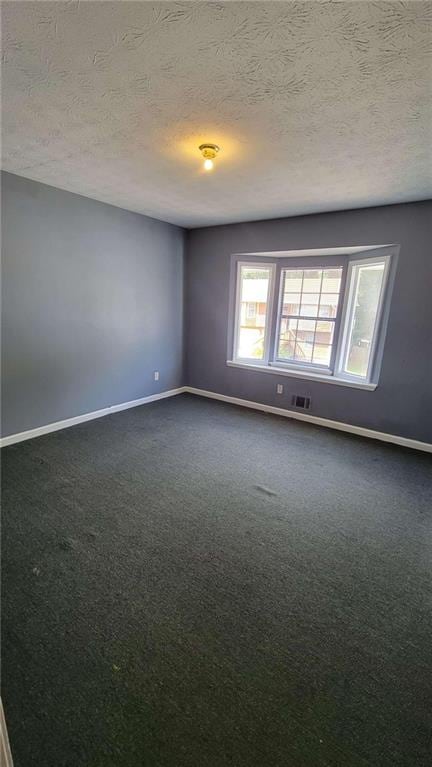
307	317
339	321
318	311
347	315
277	311
298	320
270	312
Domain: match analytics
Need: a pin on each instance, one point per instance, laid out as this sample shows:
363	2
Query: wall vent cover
303	403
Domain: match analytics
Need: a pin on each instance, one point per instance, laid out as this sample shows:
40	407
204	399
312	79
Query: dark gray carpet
191	584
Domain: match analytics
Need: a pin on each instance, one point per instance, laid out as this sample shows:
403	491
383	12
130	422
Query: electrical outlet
279	389
156	375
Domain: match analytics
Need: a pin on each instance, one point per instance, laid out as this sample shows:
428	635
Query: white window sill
309	376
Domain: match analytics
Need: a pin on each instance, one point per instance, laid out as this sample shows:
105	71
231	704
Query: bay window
311	319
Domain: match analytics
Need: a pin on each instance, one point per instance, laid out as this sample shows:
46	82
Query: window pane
254	288
324	332
287	339
293	280
309	305
368	282
328	304
251	343
291	303
331	280
322	354
312	280
307	328
305	340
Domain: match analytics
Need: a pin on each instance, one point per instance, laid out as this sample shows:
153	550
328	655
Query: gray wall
92	305
402	403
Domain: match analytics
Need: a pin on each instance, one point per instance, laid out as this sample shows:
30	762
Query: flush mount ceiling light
209	152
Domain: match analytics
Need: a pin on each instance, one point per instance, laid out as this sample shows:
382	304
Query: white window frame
347	317
335	374
271	268
326	370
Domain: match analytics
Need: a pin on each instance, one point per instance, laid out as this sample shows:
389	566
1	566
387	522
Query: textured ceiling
317	106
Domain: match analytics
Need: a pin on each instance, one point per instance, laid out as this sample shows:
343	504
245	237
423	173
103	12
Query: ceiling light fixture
209	152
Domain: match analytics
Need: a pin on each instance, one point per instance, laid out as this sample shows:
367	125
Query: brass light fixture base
209	151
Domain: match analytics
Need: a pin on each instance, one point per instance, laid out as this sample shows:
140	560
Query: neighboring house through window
250	310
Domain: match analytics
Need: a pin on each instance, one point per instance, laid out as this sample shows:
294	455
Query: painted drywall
93	302
402	402
92	305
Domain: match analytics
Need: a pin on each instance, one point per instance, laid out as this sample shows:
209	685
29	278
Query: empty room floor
190	583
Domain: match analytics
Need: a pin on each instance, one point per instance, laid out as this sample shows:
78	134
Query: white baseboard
339	425
11	439
5	752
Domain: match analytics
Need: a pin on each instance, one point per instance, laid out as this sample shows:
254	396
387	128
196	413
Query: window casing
320	318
